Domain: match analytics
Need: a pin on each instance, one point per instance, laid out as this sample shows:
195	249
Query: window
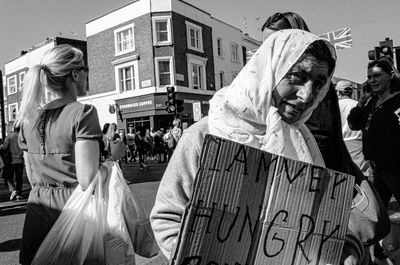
164	71
21	80
219	47
197	71
126	79
221	79
124	39
12	111
126	76
194	35
12	85
162	31
234	52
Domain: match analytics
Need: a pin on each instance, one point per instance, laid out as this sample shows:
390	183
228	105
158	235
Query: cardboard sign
251	207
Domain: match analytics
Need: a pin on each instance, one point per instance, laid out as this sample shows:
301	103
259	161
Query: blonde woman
60	138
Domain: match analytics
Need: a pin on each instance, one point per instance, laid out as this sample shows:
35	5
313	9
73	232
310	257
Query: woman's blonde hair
56	65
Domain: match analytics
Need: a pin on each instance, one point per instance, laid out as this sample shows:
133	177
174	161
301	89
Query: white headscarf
243	111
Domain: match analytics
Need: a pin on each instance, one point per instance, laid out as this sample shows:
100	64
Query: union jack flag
340	39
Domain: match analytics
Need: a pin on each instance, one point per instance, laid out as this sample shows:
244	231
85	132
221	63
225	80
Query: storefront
149	110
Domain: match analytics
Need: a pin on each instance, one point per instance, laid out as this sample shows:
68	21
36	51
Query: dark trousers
386	184
142	158
44	206
133	153
13	175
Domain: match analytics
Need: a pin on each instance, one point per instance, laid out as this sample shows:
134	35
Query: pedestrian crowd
283	102
142	145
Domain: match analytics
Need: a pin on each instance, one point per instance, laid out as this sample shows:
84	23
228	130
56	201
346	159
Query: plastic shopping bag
76	235
118	244
137	222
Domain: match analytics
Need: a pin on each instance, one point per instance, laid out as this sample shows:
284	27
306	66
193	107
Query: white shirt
345	105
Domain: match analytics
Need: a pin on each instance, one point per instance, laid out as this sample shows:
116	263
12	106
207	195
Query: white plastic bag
118	244
91	228
70	239
137	222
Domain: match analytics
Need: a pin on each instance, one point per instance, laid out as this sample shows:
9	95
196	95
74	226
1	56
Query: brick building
16	69
138	50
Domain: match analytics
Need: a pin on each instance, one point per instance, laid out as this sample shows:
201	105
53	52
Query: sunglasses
84	68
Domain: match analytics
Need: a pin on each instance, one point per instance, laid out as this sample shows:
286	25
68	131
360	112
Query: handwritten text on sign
252	207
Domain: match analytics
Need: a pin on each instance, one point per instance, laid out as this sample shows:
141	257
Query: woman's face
266	33
299	88
81	81
379	80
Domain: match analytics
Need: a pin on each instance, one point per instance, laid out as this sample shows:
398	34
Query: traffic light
170	103
397	55
179	103
380	52
385	49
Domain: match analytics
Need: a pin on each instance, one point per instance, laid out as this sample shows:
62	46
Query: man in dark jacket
13	171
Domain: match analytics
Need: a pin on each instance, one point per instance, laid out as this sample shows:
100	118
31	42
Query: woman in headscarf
265	107
325	122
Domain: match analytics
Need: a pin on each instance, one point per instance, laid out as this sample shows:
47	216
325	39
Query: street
143	183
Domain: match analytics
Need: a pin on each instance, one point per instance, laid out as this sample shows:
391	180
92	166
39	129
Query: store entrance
136	122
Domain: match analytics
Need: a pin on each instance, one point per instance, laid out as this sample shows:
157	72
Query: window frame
197	60
9	92
220	49
198	28
221	79
21	80
235	45
12	107
169	30
171	69
116	34
135	72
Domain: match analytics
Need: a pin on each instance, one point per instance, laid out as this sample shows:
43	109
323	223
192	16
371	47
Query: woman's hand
351	260
367	93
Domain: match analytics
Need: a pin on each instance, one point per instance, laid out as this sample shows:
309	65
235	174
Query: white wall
126	13
102	102
228	34
27	60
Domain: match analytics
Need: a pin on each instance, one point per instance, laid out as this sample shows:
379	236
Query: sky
25	23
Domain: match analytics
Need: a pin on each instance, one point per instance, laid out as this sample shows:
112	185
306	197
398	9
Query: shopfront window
136	122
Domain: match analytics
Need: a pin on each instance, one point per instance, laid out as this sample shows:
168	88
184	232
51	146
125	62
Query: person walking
375	115
159	146
352	139
14	170
176	131
143	147
60	139
130	140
